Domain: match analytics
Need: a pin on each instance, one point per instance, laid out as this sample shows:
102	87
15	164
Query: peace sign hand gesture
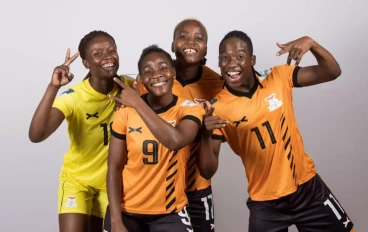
62	75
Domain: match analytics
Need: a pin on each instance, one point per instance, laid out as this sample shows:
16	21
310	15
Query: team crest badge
200	101
71	203
273	102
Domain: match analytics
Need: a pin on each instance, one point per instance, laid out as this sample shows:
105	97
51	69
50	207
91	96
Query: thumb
209	108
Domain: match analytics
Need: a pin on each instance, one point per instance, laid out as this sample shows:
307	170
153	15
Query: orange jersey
263	131
199	89
154	176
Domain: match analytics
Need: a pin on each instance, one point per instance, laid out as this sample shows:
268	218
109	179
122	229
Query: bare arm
326	70
208	153
116	161
174	138
171	137
47	119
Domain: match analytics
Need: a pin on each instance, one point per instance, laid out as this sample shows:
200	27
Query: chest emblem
273	102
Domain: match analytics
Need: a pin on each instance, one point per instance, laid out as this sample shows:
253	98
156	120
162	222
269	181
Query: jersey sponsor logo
273	102
131	129
188	103
243	119
71	203
264	73
172	122
200	101
213	101
95	115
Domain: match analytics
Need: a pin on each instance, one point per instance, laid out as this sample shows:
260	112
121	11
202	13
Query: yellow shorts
75	197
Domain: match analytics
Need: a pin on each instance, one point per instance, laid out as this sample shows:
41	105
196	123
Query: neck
248	84
103	86
186	71
158	102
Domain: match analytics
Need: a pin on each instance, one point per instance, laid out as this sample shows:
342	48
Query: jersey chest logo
131	129
273	102
95	115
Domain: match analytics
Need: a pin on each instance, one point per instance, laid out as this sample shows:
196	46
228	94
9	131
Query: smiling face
190	42
157	73
101	57
235	62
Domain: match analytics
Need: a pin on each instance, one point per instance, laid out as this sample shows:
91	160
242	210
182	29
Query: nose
233	62
191	41
156	74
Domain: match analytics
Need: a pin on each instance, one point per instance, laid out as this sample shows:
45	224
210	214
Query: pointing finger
119	82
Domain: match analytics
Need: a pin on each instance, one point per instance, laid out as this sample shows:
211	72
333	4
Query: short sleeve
65	103
289	73
194	112
119	124
218	135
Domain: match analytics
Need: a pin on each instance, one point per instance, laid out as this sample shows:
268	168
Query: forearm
114	187
165	133
328	66
207	160
41	117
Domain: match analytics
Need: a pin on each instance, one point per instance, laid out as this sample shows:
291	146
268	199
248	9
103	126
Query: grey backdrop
332	117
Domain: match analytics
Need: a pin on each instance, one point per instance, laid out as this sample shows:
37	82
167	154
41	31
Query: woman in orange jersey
82	196
198	83
254	114
149	150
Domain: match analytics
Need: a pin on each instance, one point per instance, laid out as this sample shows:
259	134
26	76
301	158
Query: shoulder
72	91
208	73
127	80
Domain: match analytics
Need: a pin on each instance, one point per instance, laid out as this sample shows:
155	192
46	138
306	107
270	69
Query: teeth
158	84
188	50
233	73
108	65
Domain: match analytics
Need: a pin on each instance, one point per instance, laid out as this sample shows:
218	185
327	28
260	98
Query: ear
253	60
174	73
172	47
85	63
205	52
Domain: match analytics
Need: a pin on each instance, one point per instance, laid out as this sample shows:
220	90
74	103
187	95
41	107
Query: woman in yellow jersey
254	115
82	197
149	151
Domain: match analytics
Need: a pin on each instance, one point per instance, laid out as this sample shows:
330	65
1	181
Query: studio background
332	117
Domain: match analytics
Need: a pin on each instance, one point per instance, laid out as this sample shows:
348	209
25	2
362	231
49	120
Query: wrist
137	103
53	87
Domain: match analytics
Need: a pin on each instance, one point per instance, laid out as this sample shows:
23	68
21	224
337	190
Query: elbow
34	138
174	144
207	173
335	73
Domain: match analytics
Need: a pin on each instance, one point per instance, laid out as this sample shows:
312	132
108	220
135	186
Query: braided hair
87	39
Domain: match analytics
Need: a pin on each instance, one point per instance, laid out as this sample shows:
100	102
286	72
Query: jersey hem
151	212
285	193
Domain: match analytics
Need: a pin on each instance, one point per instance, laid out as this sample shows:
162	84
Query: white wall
332	117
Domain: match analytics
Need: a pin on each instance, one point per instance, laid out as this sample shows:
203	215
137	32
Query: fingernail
277	54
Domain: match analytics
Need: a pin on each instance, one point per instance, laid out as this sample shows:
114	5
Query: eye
112	50
182	36
224	58
97	54
241	57
199	39
164	68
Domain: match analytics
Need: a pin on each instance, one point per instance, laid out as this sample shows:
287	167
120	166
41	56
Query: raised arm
47	119
171	137
327	68
208	154
116	161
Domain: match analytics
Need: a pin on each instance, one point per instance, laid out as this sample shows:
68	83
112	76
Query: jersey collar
163	109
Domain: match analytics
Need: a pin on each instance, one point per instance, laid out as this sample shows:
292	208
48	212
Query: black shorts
178	222
201	211
312	208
